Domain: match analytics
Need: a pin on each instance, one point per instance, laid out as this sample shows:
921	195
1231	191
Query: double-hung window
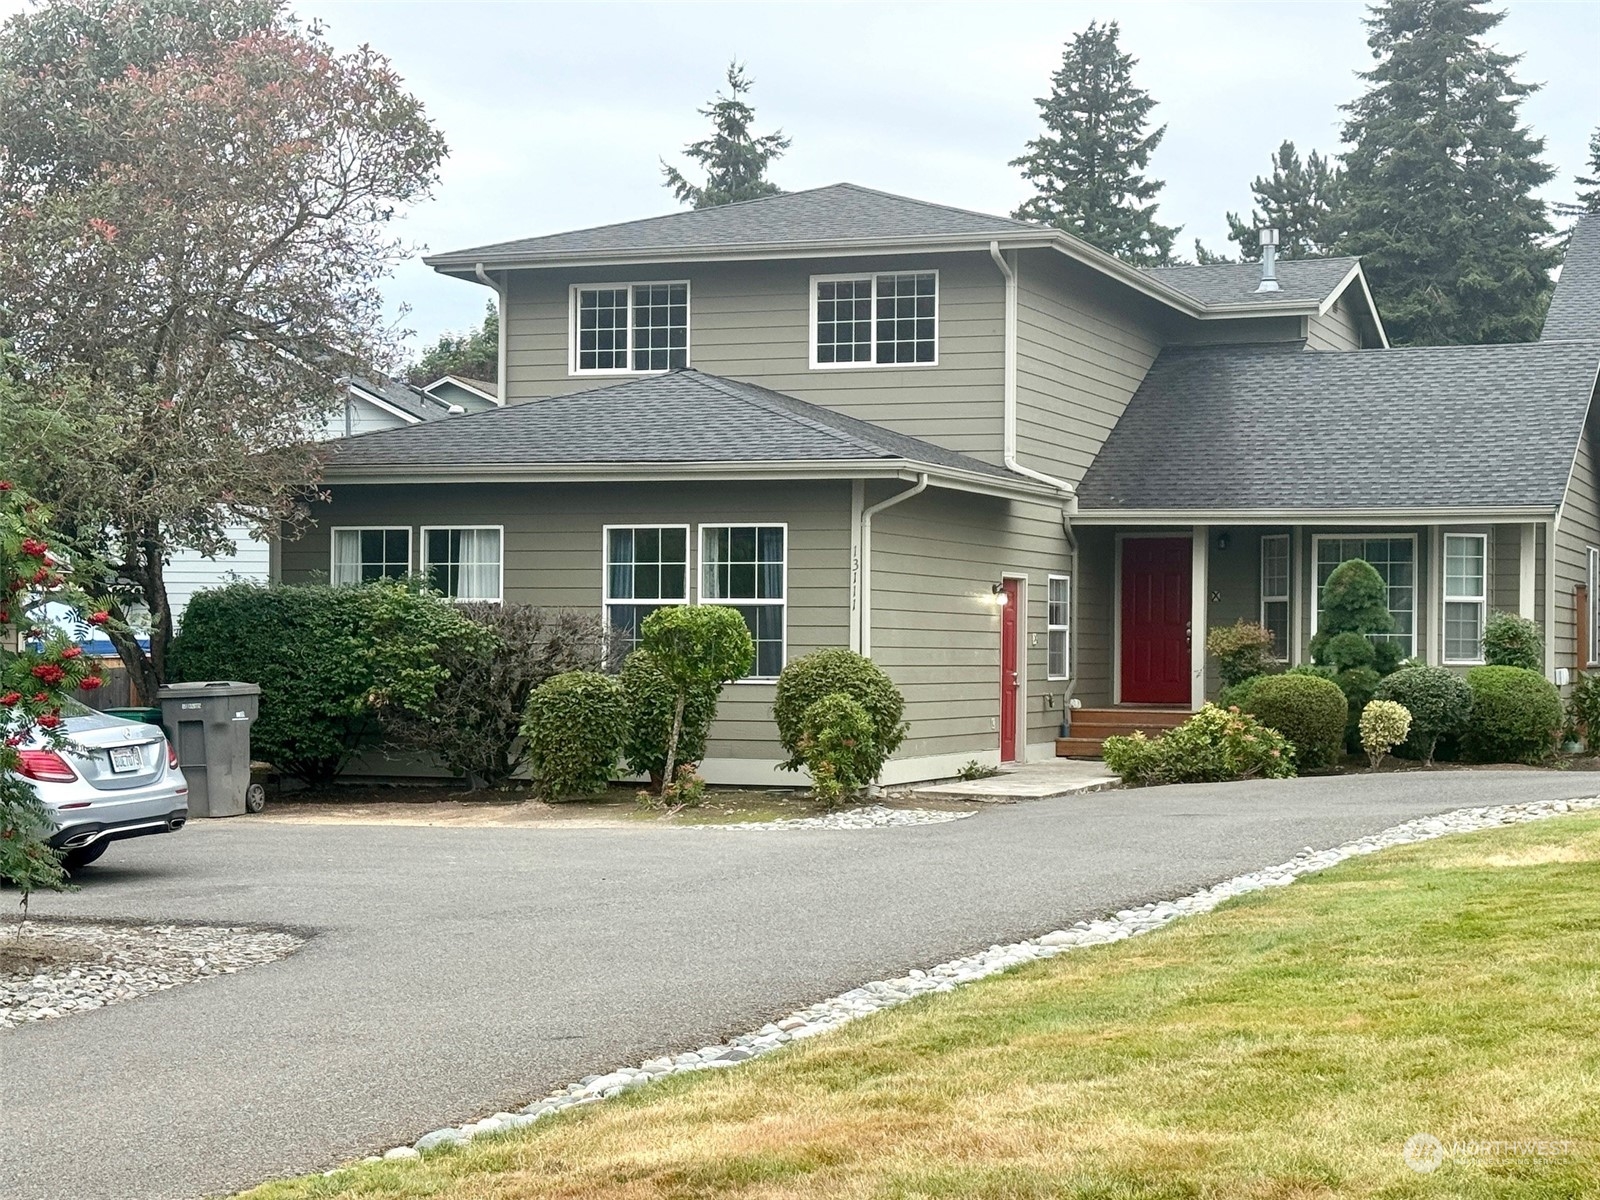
743	566
630	328
1275	592
1465	596
875	320
464	563
1395	559
1058	626
647	567
367	555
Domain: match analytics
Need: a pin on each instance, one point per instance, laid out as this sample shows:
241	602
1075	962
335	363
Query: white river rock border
830	1014
871	816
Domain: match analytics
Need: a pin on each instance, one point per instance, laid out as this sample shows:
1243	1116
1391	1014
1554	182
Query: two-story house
1014	470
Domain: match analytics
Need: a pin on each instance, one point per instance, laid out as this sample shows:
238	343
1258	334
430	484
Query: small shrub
839	745
697	648
977	770
1309	711
1583	709
1241	651
1516	715
1439	701
1215	745
1384	725
574	730
1513	641
651	700
687	787
824	673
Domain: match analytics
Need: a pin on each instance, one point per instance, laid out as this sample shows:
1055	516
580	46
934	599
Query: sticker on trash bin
239	716
192	705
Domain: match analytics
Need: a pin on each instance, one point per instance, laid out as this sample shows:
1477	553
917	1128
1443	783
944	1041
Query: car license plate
125	759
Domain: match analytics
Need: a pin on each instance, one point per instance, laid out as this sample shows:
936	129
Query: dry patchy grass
1282	1048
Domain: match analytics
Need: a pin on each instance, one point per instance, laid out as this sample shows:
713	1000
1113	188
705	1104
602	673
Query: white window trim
573	370
1416	577
1445	599
1287	598
873	364
1592	651
333	543
697	553
500	586
1066	629
606	602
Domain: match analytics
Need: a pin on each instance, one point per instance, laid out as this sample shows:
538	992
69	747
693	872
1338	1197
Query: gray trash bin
210	724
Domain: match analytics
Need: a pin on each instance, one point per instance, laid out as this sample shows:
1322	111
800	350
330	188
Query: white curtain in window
480	565
346	557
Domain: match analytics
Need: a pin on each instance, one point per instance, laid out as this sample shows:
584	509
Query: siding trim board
1286	516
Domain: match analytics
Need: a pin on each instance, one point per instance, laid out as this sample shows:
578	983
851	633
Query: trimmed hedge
574	729
1513	641
1516	715
823	673
1310	711
649	698
1439	701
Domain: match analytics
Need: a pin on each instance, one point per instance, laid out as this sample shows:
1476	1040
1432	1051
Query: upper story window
629	328
875	320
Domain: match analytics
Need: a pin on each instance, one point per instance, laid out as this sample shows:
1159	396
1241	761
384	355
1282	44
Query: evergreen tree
472	355
1588	201
1208	258
1299	199
1440	178
735	161
1087	167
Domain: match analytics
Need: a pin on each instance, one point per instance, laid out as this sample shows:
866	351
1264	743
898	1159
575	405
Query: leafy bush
697	649
1238	695
1384	725
651	700
1307	710
1214	745
826	672
574	729
1516	715
328	660
839	745
1513	641
1583	708
1241	651
687	787
1439	701
474	723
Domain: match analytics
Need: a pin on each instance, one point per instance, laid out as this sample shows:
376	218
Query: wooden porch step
1091	727
1078	747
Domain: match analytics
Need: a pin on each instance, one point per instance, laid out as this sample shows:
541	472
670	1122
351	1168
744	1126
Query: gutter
1010	388
864	613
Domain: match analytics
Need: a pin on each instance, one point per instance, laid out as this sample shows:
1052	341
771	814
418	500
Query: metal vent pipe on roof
1269	260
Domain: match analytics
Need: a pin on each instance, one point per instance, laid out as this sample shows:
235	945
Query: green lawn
1285	1046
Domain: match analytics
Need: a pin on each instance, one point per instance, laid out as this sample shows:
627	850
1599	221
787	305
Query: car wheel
84	855
255	798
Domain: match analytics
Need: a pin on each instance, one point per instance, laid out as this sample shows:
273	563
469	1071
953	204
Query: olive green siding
936	625
1577	531
1335	329
752	321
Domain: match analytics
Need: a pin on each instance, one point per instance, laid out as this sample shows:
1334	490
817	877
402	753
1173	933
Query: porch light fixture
1000	596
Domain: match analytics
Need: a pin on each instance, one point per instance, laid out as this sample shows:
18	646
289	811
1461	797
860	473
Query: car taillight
172	757
46	766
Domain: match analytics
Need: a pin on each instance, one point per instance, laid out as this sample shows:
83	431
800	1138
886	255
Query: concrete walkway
454	972
1023	781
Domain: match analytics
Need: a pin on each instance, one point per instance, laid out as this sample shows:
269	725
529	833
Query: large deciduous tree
472	355
735	160
1087	168
196	196
1300	199
1440	179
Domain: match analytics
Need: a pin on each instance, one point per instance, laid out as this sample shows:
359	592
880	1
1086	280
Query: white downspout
1010	387
866	556
501	290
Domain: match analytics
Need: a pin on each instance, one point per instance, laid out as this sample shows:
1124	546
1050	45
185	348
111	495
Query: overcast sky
556	114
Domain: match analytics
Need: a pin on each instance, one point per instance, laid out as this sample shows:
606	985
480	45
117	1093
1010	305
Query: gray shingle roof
1255	427
678	418
1575	308
841	212
402	396
1299	280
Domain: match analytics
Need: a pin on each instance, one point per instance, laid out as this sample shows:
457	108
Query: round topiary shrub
1310	711
1516	715
1384	725
650	699
1439	702
824	673
574	728
1513	641
1237	695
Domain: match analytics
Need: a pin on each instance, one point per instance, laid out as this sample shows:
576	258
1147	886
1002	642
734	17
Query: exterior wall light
1000	596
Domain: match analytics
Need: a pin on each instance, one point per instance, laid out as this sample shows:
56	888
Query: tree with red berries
197	199
40	667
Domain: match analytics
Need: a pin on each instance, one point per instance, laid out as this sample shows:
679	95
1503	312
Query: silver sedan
113	779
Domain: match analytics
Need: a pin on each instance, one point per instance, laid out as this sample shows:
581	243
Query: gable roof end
1575	307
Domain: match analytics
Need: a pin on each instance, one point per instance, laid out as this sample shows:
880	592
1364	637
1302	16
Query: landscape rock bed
103	964
873	816
873	997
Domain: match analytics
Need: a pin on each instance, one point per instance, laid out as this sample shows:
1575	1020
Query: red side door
1156	582
1008	672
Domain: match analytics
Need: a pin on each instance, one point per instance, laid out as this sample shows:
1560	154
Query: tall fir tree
734	159
1588	201
1087	168
1300	199
1440	179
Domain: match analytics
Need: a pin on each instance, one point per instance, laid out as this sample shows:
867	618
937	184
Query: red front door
1156	581
1008	672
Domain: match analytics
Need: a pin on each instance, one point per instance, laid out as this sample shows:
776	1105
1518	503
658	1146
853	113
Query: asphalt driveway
453	972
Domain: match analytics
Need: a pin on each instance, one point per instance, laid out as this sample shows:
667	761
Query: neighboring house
471	395
1014	470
